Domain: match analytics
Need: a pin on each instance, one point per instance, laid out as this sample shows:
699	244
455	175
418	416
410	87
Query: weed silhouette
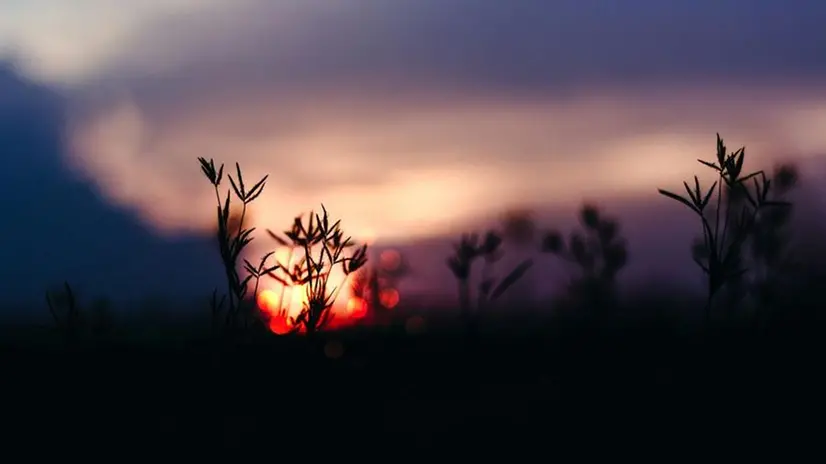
322	247
65	302
727	229
519	227
598	251
765	245
471	248
233	238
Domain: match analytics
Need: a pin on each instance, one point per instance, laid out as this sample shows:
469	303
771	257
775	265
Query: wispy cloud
407	168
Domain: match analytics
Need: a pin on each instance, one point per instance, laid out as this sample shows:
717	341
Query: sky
409	119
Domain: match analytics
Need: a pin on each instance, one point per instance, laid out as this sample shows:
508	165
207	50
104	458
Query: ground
514	392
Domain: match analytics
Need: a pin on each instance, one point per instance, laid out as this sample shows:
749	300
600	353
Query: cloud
388	167
409	119
56	227
520	47
65	41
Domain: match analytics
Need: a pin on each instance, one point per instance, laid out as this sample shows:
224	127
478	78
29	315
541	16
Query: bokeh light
390	260
278	320
389	298
280	324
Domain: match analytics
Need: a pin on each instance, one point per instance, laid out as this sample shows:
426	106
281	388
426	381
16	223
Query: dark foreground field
539	393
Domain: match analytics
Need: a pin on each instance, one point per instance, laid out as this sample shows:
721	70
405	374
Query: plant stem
283	286
719	207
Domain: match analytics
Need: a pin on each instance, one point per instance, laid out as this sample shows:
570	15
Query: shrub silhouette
598	251
726	229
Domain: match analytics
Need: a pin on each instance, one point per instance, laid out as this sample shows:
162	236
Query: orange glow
390	260
281	304
356	307
280	324
389	298
279	321
268	301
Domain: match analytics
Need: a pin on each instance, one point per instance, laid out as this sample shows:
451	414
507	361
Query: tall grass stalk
724	241
233	240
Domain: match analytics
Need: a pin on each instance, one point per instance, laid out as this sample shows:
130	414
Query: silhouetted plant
519	232
323	246
727	229
466	252
65	311
233	238
519	226
771	237
598	251
765	246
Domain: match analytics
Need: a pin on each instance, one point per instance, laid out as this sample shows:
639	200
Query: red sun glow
280	324
280	304
356	307
279	320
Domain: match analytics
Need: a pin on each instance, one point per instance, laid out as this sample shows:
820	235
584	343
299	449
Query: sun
356	307
281	304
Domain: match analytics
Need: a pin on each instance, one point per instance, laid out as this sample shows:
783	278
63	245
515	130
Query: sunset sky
407	118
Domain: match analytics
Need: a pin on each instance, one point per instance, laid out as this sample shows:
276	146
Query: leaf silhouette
511	278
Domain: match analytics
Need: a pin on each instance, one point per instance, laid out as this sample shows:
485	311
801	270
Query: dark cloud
56	228
518	46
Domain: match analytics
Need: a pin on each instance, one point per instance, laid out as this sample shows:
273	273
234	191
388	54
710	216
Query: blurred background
411	120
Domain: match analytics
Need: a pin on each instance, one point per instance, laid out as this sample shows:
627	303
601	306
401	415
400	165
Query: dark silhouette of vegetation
765	245
598	251
470	249
69	323
729	226
519	227
322	247
744	219
546	372
233	239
